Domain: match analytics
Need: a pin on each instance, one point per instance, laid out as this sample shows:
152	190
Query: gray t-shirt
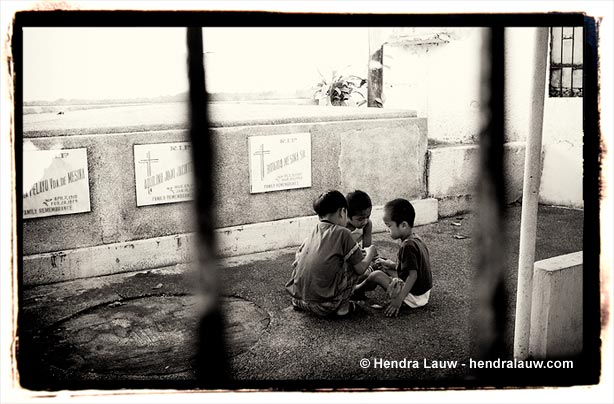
322	263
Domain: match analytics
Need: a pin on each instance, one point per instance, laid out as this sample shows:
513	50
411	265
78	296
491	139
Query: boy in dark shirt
413	281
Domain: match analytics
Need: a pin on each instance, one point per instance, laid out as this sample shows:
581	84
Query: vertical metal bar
573	36
211	361
551	70
375	80
530	199
561	83
491	302
594	175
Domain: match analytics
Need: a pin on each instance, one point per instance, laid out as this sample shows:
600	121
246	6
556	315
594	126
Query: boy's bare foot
348	309
296	307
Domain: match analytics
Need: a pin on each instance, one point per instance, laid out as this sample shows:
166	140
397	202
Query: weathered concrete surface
166	325
421	76
562	175
114	216
556	308
387	162
169	116
163	251
107	259
453	172
298	350
110	133
453	205
88	342
337	163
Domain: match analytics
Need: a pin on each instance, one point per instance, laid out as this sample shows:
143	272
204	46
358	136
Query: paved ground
137	329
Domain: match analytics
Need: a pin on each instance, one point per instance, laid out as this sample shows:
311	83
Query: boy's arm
298	252
366	234
393	308
362	266
386	265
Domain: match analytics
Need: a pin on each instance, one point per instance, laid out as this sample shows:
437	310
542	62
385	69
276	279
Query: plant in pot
341	90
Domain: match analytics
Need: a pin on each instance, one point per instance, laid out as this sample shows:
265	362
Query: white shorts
417	301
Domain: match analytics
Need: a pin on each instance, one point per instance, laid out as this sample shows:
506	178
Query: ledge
173	116
164	251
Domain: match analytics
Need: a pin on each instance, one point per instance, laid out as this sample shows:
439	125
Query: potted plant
341	90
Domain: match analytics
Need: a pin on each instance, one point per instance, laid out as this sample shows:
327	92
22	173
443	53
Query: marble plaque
163	173
55	182
279	162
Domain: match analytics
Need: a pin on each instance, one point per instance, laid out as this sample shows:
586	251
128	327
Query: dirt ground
137	329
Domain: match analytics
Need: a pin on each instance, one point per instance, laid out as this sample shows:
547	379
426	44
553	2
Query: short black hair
401	210
358	201
329	202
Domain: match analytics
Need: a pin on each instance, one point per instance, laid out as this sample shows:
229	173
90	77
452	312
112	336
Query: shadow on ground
137	329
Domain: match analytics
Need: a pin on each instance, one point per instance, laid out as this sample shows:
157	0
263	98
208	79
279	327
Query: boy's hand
384	264
393	308
371	250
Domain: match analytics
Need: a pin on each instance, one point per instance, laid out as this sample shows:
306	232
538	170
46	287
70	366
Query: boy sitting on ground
329	262
359	213
359	223
409	280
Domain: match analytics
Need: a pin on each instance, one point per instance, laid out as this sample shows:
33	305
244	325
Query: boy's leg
344	290
375	279
324	309
365	275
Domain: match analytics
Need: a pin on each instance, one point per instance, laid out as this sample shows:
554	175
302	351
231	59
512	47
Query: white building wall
520	60
562	172
562	145
441	82
438	80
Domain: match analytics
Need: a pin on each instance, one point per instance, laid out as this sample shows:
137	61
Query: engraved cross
261	153
148	161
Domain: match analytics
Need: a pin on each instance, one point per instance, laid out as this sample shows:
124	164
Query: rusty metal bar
490	305
375	77
573	48
562	52
211	363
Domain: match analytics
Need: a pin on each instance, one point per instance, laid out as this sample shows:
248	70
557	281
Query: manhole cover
152	335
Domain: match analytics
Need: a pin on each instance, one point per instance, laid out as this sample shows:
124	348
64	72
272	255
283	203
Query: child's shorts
417	301
413	301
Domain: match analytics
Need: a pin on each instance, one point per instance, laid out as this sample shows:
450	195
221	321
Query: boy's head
331	202
359	208
399	216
